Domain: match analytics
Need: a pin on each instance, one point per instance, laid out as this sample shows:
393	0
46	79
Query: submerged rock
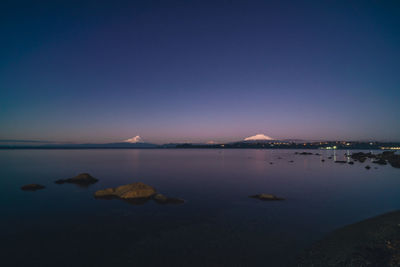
82	179
129	191
266	197
304	153
351	162
161	199
367	167
340	161
380	161
395	163
32	187
322	160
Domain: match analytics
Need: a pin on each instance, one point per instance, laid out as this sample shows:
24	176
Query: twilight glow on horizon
195	71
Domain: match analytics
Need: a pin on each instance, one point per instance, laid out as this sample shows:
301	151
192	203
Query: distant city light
391	148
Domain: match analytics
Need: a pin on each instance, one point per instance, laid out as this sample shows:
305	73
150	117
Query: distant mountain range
260	144
106	145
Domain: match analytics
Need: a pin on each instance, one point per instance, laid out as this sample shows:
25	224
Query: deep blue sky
171	71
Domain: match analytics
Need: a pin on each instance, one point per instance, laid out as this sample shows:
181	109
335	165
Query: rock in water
367	167
380	161
129	191
266	197
304	153
82	179
340	161
32	187
161	199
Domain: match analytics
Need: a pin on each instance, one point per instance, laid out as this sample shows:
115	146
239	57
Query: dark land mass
372	242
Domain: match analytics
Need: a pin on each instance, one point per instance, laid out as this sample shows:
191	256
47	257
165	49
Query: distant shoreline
325	145
178	148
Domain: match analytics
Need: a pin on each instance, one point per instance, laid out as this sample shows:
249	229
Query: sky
199	71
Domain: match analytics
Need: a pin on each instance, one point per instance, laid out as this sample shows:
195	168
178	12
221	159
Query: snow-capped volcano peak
258	137
136	139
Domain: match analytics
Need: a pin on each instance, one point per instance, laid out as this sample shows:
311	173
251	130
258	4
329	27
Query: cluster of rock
135	193
139	192
382	158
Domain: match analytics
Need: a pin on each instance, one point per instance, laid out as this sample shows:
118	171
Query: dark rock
267	197
340	161
291	161
81	179
351	162
161	199
380	161
362	160
322	160
388	154
271	163
367	167
392	158
317	154
395	163
305	153
360	156
32	187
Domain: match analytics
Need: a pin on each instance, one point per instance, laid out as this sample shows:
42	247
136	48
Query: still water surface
63	225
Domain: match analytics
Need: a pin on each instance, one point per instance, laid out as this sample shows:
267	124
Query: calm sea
63	225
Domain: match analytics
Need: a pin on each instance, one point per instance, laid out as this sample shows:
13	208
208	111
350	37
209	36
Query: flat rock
266	197
82	179
129	191
32	187
161	199
303	153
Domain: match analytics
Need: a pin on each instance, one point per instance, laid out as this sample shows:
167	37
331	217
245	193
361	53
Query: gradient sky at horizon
195	71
